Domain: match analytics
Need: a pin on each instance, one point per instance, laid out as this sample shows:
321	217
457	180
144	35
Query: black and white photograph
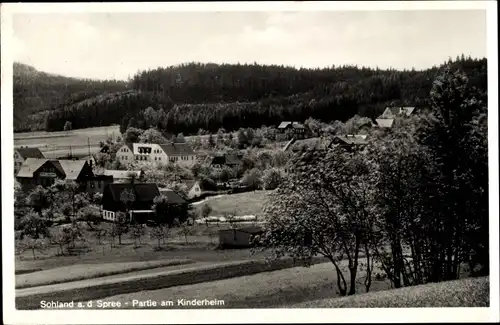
250	162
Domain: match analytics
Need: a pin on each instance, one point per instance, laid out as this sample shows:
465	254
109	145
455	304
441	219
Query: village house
172	196
240	237
44	172
226	160
305	144
196	188
392	112
291	130
147	153
124	175
140	209
23	153
384	123
350	140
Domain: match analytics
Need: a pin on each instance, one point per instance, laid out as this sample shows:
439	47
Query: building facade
147	153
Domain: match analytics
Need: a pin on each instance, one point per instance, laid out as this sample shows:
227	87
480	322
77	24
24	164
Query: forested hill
36	91
188	97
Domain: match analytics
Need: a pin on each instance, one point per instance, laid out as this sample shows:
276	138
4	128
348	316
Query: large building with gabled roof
147	153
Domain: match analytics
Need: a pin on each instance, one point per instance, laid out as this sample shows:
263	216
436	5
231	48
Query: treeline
35	91
197	96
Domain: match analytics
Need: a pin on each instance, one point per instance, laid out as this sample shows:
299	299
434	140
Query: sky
117	45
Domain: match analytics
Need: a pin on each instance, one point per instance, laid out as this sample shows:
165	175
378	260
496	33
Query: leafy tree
121	226
137	231
90	214
32	244
271	179
67	126
39	199
253	178
205	212
33	225
324	208
152	135
242	139
132	135
180	138
127	197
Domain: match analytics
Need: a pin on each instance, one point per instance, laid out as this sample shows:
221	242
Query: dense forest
196	96
35	91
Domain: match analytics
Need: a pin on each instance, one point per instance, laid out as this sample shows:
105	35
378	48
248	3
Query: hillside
188	97
36	91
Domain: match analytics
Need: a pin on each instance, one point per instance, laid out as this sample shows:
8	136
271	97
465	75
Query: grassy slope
471	292
249	203
264	290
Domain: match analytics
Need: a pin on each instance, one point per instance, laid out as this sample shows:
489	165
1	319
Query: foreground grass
264	290
241	204
471	292
82	272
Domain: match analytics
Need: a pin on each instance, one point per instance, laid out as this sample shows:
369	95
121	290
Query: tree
90	214
271	179
253	178
324	208
205	212
185	228
211	142
152	135
127	197
158	233
34	226
137	231
457	138
32	244
132	135
180	138
242	139
39	199
121	226
67	126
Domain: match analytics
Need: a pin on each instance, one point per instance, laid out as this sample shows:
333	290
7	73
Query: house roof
295	125
30	153
385	122
71	168
395	111
227	159
30	166
352	139
177	149
122	174
144	192
172	196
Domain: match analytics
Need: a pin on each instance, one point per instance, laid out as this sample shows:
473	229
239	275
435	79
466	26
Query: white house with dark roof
147	153
23	153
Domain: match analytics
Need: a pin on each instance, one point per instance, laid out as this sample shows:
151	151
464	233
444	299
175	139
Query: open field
54	144
78	272
201	246
241	204
264	290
